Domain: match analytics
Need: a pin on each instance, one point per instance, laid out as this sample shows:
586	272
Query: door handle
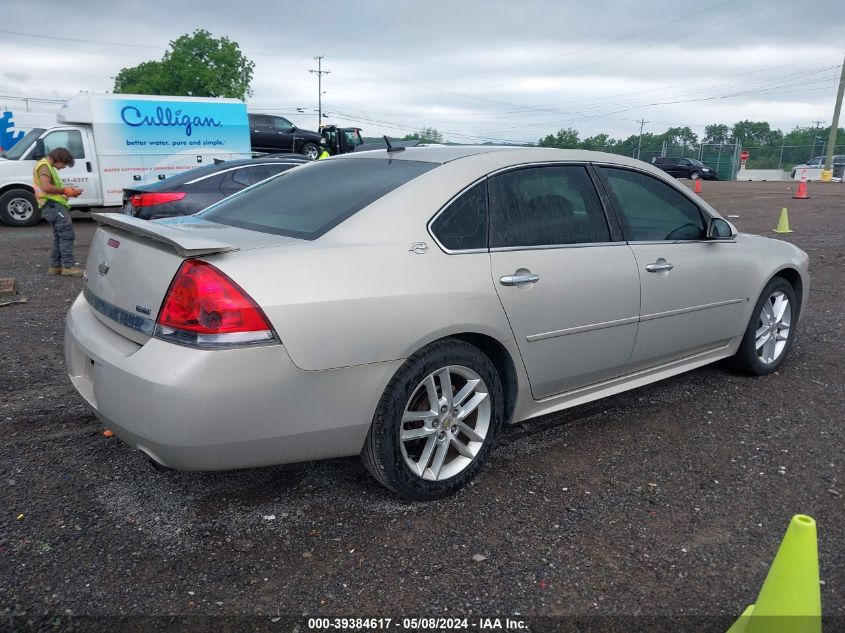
88	165
515	280
659	266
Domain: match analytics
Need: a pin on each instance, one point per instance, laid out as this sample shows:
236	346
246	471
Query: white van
120	141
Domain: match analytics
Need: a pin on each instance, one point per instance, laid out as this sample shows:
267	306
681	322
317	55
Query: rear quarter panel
359	295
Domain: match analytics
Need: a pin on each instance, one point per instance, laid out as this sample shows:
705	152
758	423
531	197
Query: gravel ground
667	501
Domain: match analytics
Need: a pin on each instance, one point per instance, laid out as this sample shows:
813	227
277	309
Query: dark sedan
194	190
685	168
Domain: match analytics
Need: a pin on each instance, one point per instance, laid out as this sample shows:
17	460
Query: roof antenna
390	147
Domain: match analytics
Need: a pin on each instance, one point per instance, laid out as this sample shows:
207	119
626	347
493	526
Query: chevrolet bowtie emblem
103	268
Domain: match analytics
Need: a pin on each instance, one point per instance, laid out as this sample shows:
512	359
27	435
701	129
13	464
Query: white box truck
119	141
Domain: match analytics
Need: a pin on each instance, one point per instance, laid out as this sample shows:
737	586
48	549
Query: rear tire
770	331
19	208
426	442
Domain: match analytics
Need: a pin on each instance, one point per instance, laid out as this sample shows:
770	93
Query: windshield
20	148
309	201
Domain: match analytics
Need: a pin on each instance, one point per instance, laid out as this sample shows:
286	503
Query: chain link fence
787	156
723	158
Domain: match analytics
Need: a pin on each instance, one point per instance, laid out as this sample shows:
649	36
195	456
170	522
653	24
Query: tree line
768	148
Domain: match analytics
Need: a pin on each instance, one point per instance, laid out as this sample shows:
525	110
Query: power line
81	40
684	17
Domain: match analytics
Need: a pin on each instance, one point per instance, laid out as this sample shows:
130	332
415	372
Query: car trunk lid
132	262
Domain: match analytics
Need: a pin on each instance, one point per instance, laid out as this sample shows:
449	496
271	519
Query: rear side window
463	224
250	175
652	210
545	206
307	202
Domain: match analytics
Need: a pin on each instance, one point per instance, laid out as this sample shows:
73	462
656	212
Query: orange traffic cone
802	194
697	188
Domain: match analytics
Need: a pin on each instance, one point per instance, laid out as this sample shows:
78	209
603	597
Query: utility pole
816	137
640	142
319	72
831	141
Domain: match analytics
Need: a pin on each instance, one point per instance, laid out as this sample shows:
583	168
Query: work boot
72	272
54	270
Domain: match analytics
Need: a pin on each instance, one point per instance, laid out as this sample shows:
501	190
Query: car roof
208	171
506	154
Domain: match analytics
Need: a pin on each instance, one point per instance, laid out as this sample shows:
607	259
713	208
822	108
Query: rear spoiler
186	243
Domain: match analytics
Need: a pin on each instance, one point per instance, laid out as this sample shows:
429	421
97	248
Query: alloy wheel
773	325
445	423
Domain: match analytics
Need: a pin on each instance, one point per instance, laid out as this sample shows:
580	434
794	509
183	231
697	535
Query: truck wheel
310	150
19	208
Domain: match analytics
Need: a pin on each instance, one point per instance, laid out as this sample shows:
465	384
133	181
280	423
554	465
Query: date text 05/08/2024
416	624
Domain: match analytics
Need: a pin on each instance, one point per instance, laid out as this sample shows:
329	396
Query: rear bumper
214	410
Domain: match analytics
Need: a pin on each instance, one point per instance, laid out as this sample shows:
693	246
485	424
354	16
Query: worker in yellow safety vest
52	198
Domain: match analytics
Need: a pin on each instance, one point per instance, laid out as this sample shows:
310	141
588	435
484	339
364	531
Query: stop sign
743	155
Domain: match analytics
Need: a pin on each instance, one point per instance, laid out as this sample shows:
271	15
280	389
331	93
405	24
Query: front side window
652	210
463	224
71	140
281	124
545	206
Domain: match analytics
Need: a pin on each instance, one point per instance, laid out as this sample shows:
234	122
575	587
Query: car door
670	166
568	283
285	134
262	133
692	289
83	175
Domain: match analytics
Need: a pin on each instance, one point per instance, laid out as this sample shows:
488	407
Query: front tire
19	208
770	331
436	422
694	175
311	151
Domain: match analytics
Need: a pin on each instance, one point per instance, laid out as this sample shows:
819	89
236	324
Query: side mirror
719	229
39	152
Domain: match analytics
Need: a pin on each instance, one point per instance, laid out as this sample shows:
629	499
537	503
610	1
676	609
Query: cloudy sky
508	70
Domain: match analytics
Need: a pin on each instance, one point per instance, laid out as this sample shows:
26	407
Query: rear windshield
309	201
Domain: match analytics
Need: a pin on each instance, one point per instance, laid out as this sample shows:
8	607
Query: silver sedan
403	305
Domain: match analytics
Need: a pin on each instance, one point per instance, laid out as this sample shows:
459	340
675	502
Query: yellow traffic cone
783	223
790	600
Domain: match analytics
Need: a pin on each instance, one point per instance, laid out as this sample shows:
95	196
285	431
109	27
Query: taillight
152	199
205	308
